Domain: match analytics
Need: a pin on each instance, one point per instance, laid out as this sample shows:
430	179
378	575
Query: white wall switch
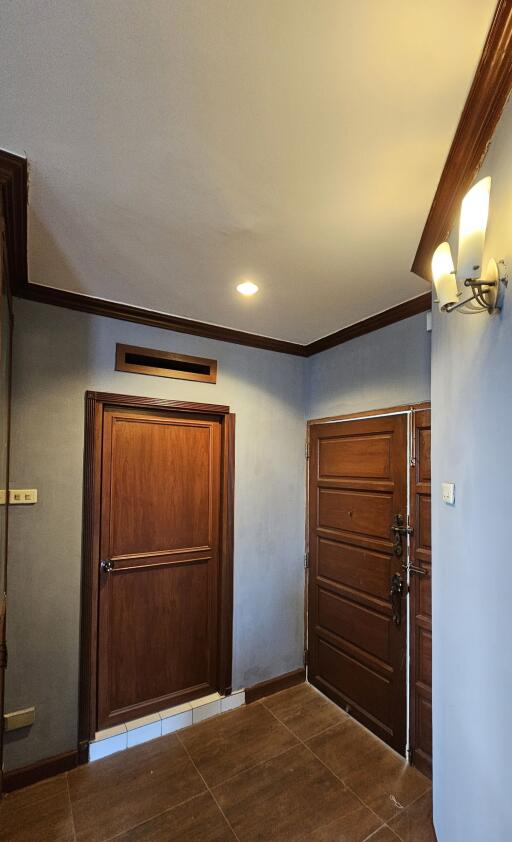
22	495
3	497
448	493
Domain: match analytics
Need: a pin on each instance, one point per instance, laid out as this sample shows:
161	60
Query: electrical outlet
25	496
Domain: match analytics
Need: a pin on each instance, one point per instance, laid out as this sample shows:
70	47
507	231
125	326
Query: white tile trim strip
138	731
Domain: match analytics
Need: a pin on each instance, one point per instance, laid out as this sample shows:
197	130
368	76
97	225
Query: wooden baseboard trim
273	685
48	768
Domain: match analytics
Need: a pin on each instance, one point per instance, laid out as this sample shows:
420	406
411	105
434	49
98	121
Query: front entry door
159	571
357	630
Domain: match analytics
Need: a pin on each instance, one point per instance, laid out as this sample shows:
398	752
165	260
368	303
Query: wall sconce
487	290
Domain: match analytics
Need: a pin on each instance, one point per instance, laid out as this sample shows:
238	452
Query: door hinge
307	450
306	561
306	657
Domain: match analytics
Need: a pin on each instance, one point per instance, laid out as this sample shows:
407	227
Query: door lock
395	593
399	530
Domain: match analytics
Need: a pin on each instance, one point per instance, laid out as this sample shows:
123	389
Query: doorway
158	545
369	565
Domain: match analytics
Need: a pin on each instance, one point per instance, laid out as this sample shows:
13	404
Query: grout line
374	833
208	788
402	812
332	773
341	780
255	765
156	816
71	806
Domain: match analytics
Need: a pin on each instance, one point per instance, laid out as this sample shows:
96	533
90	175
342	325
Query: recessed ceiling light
247	288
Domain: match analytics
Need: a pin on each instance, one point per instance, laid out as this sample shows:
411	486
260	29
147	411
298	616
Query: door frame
95	404
402	409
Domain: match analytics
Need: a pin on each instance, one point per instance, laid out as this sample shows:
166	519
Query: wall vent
165	364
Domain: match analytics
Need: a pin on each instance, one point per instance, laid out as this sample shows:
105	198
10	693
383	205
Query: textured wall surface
59	355
385	368
472	585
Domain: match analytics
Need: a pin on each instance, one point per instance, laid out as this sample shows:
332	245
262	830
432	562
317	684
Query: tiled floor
291	767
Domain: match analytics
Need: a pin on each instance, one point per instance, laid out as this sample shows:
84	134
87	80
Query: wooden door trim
371	413
95	403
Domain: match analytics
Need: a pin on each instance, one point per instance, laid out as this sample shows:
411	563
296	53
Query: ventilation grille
165	364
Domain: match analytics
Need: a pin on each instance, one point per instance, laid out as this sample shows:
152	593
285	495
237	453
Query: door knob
107	566
395	593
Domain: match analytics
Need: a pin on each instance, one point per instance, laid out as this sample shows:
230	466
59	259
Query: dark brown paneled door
357	631
421	599
158	600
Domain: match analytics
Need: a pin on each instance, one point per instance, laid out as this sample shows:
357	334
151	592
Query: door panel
357	484
354	567
421	598
160	517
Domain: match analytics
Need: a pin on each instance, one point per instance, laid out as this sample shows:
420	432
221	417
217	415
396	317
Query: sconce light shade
443	274
474	213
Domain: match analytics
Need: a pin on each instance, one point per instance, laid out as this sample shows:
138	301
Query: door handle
395	593
107	566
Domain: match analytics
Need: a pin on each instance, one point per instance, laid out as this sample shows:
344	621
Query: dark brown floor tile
38	792
198	820
284	798
114	794
224	746
353	827
27	817
414	824
383	835
387	784
304	710
347	748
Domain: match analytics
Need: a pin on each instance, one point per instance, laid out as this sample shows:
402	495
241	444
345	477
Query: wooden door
421	600
357	486
159	579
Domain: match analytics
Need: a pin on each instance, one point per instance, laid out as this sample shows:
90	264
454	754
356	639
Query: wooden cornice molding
420	304
488	94
14	193
128	313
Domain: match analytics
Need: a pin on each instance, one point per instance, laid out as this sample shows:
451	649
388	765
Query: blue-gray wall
58	355
388	367
472	557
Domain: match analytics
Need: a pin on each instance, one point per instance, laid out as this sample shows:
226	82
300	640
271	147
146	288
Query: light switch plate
26	496
448	493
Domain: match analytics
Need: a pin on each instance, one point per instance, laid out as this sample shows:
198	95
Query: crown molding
487	96
420	304
13	181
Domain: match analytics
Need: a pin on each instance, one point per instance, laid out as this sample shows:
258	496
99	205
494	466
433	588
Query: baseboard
47	768
273	685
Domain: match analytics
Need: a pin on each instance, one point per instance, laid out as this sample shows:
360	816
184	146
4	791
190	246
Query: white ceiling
178	146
